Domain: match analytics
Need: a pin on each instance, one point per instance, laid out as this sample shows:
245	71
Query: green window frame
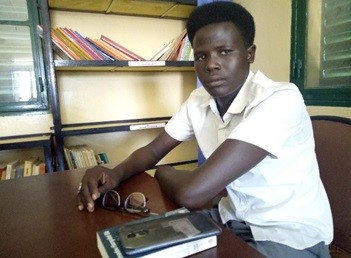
22	82
321	51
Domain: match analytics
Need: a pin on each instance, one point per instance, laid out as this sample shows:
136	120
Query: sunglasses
135	203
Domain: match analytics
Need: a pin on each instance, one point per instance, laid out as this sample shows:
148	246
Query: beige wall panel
273	21
120	144
100	96
25	124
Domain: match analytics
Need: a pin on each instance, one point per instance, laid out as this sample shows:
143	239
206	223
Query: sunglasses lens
136	203
111	200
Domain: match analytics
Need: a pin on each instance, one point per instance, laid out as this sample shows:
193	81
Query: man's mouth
215	82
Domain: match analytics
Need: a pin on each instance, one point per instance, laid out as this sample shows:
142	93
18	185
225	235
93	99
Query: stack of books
178	49
81	156
172	234
69	44
21	168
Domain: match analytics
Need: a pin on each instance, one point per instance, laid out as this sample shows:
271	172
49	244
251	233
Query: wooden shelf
30	141
155	8
172	9
132	66
113	126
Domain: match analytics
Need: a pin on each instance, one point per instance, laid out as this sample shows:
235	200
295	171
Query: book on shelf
60	33
102	158
39	168
132	56
11	169
28	165
69	44
175	49
108	49
60	49
178	233
166	47
185	52
79	156
84	44
178	49
19	170
3	165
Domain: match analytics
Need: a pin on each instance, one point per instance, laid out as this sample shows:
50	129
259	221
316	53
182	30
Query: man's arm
193	189
99	179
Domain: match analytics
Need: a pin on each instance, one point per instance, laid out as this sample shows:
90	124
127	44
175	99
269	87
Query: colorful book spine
127	52
58	46
81	41
173	54
103	46
71	44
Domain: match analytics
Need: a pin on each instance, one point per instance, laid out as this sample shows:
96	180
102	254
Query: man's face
222	61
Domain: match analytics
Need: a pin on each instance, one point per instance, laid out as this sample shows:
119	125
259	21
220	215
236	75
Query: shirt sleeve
179	126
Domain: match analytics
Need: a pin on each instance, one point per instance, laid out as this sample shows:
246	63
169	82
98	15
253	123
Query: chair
333	149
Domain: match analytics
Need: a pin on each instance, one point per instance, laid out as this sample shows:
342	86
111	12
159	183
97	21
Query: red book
108	49
80	40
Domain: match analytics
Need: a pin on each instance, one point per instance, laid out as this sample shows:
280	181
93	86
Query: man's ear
251	51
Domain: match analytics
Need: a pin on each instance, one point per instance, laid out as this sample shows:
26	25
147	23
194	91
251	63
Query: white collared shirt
282	198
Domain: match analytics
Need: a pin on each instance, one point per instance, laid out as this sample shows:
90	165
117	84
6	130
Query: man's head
222	34
222	11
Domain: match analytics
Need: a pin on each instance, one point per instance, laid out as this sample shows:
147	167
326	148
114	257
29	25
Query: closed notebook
152	235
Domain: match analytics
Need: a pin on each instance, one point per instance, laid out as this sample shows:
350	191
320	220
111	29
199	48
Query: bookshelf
30	141
133	66
168	9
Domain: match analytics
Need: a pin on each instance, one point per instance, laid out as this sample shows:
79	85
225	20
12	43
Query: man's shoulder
262	81
199	96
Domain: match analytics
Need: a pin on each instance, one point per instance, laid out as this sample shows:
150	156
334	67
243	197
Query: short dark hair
222	11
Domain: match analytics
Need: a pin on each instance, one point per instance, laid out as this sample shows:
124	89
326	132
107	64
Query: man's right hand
95	182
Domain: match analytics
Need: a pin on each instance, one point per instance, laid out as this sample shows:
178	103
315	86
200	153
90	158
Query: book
82	42
184	53
71	44
39	167
79	156
42	168
172	52
127	52
108	49
103	158
172	242
19	170
28	166
162	51
59	50
10	167
3	165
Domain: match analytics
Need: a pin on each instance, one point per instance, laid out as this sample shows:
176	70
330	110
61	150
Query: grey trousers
268	248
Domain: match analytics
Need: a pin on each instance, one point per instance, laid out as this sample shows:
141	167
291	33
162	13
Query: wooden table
39	218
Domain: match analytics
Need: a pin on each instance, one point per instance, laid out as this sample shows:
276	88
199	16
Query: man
256	136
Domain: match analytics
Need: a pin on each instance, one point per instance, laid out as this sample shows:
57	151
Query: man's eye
225	51
199	57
